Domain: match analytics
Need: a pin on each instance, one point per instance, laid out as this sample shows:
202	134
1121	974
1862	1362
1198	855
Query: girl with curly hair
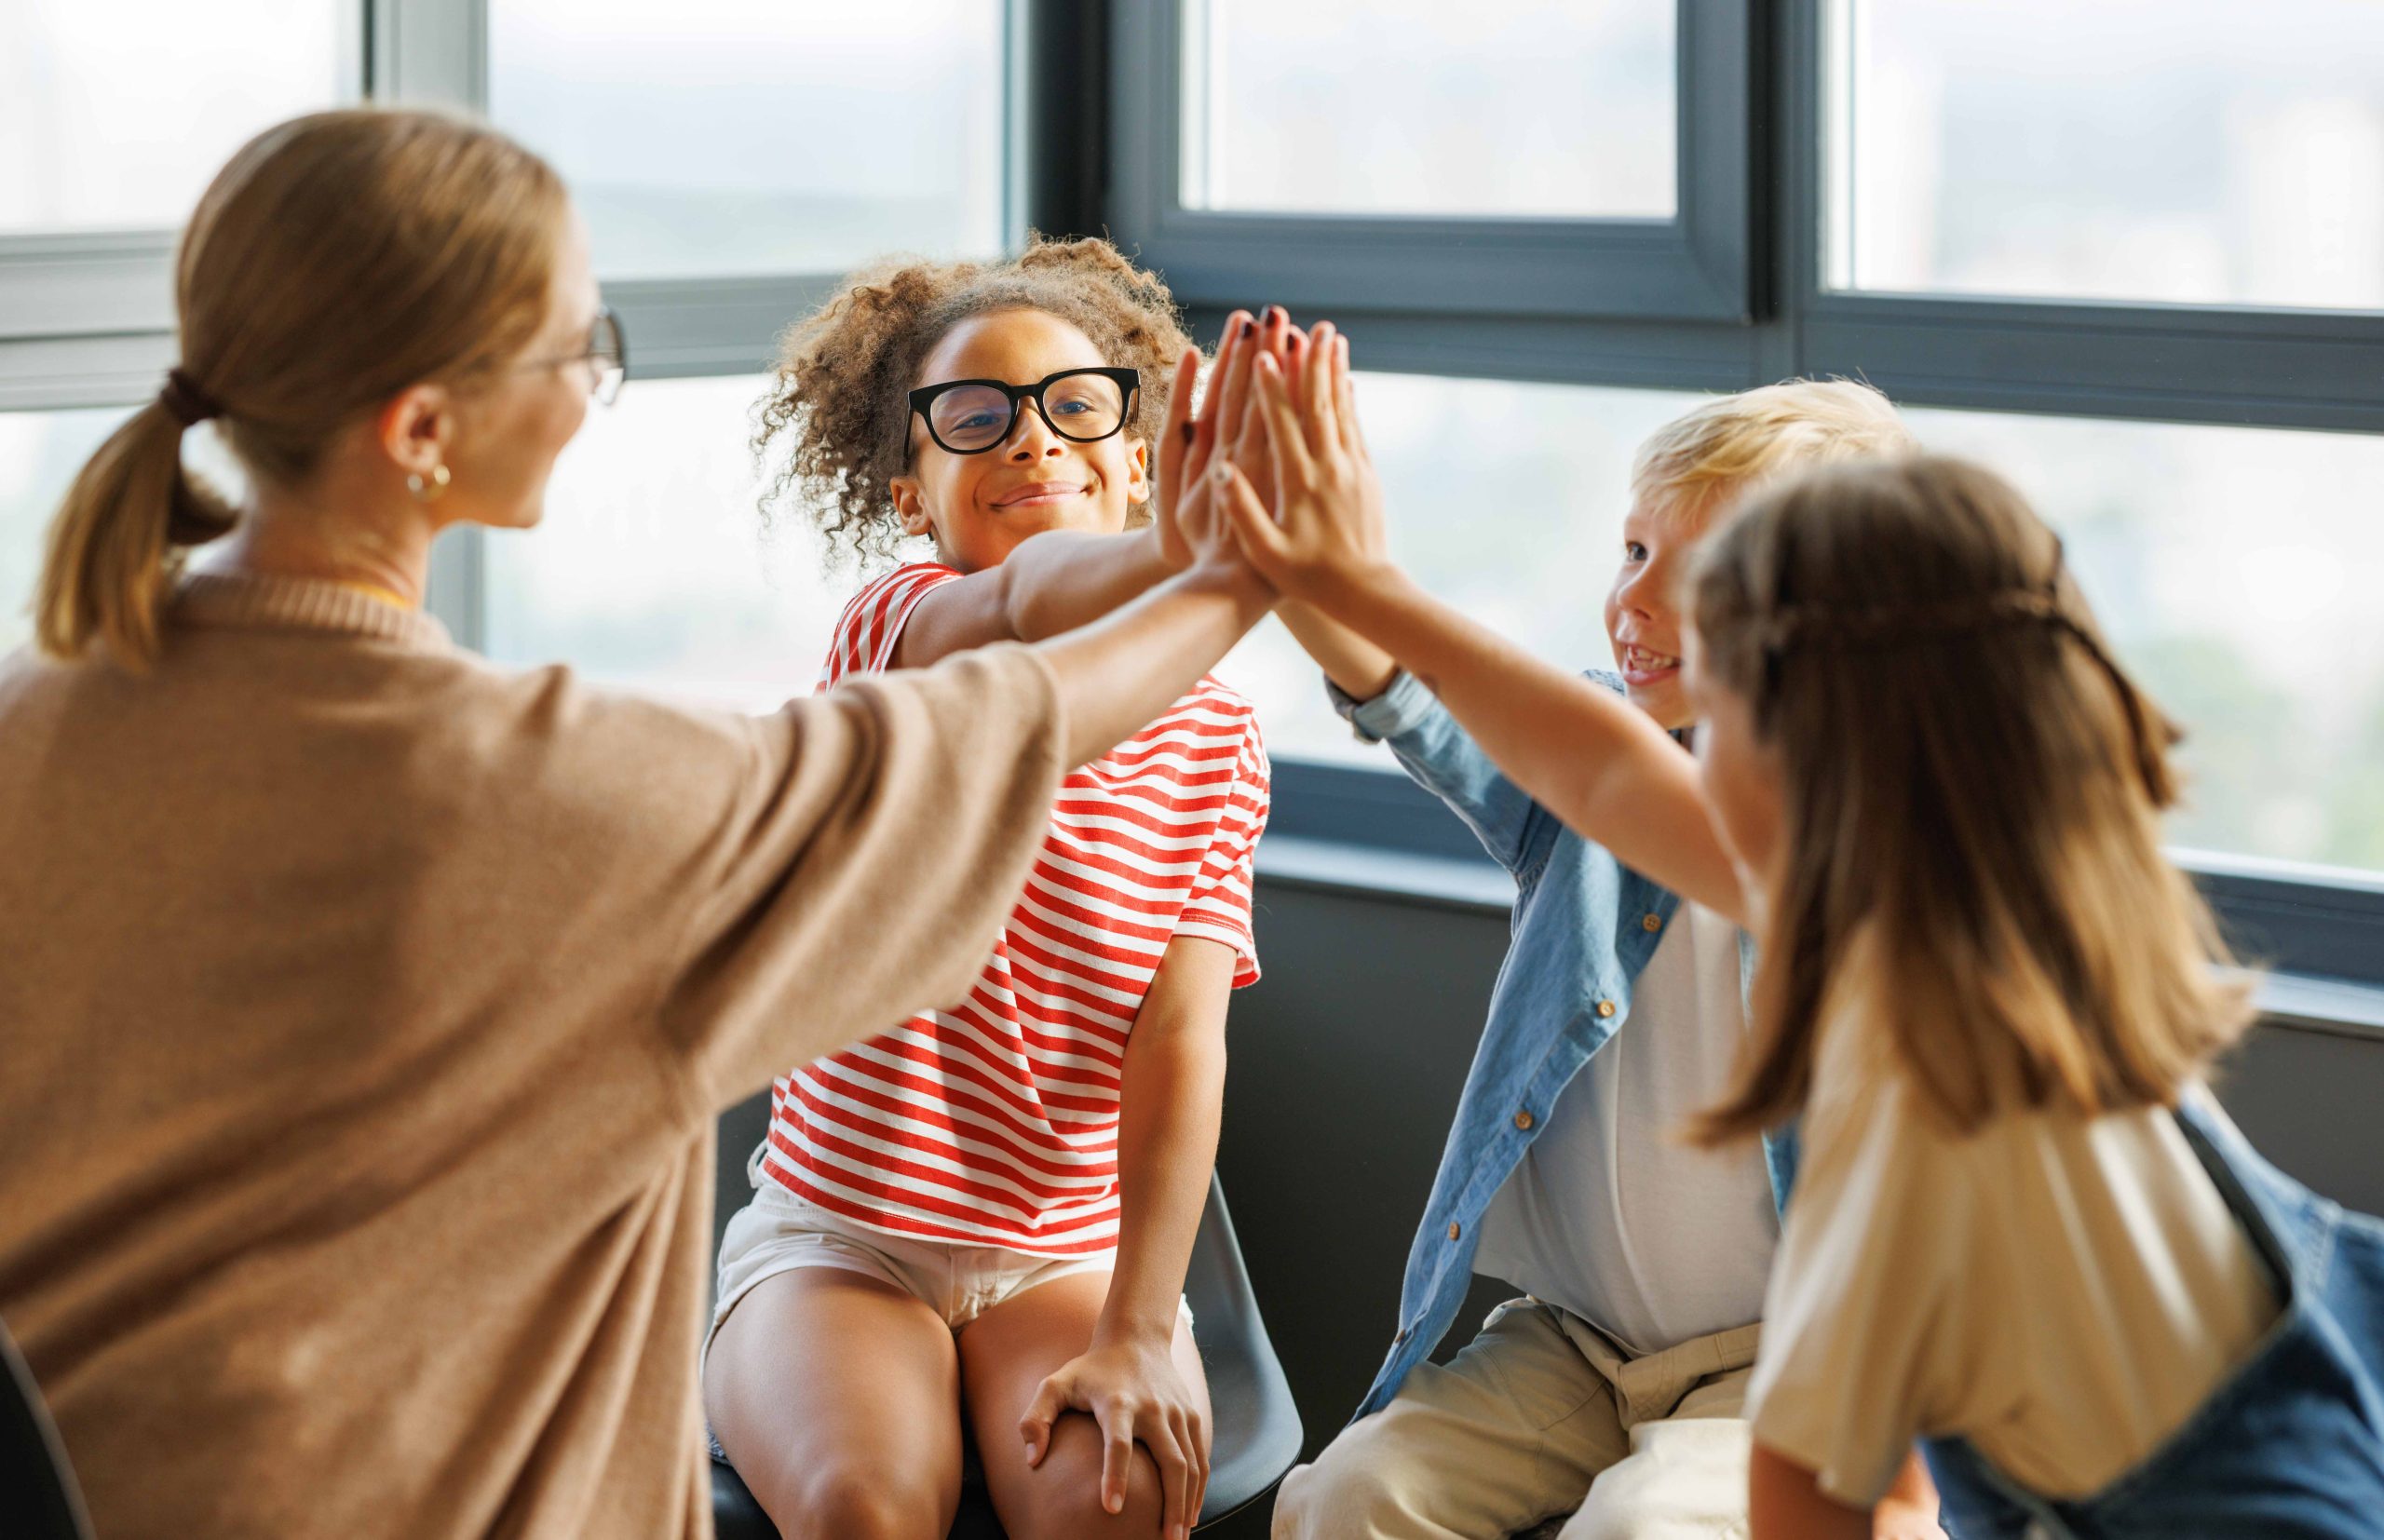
986	1212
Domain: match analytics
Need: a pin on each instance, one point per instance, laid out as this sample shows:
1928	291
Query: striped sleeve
872	622
1219	909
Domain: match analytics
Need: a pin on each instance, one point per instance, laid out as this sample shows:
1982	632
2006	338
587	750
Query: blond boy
1612	1390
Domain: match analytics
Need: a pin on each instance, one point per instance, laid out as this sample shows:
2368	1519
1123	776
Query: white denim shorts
780	1233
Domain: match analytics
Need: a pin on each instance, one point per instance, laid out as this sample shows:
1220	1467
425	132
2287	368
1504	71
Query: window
2132	252
115	113
2236	571
1528	159
653	568
40	451
2234	574
726	137
733	158
2196	152
1544	110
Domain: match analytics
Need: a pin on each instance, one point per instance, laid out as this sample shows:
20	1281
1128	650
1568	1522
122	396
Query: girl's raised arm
1585	755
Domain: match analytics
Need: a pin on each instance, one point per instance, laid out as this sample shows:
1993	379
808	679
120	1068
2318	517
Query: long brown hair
1972	791
337	260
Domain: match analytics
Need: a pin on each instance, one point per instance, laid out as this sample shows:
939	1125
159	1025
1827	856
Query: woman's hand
1131	1387
1323	525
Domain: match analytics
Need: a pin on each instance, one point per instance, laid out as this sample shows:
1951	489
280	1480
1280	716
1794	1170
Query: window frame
2241	365
86	317
1697	264
85	322
2216	365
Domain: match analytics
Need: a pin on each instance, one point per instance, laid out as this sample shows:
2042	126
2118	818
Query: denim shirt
2290	1446
1584	926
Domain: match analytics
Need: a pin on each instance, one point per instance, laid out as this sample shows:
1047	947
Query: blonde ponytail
116	541
337	260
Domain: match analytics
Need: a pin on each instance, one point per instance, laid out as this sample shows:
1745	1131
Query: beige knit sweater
364	1011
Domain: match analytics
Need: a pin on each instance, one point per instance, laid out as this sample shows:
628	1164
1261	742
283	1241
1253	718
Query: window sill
2302	1002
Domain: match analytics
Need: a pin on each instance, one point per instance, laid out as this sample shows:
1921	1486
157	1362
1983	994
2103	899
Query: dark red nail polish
1185	433
1249	328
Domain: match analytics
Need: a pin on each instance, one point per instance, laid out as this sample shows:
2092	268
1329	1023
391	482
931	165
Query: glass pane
1507	500
1527	108
2237	571
115	113
653	568
40	451
2204	152
723	136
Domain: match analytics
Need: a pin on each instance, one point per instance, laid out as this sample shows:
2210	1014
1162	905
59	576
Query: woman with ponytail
366	1009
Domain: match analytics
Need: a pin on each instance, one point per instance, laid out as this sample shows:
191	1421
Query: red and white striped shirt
995	1122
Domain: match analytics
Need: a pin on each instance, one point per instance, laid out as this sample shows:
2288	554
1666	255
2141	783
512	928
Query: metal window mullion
435	53
430	51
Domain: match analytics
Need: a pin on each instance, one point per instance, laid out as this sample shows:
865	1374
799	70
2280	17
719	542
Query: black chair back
37	1490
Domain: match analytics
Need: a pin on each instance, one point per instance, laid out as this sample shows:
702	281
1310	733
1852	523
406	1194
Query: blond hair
837	417
1972	791
1737	443
335	260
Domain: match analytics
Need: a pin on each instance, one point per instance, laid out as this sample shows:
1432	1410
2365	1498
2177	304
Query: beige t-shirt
2063	1291
364	1012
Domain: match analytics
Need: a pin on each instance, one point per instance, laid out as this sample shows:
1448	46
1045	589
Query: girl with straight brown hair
2022	1232
366	1008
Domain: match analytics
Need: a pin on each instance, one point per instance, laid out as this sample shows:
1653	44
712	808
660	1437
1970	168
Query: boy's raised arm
1585	755
1357	667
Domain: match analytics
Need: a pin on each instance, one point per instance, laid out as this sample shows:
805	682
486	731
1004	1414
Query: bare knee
1063	1494
835	1498
852	1504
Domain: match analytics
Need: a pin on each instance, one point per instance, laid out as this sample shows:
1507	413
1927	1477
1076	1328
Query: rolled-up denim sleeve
1441	757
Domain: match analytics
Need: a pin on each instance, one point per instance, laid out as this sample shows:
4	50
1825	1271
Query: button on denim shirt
2290	1446
1584	926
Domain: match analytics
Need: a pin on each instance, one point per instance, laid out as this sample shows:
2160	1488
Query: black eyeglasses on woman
606	356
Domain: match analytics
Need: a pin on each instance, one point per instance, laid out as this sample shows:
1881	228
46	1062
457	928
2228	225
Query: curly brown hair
833	430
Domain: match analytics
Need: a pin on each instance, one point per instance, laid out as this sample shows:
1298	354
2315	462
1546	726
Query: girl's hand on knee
1132	1390
1324	528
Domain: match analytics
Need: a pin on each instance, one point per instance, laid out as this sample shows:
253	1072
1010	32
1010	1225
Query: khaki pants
1540	1415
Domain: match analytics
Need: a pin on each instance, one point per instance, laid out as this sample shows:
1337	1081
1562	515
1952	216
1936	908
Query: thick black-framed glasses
606	356
971	416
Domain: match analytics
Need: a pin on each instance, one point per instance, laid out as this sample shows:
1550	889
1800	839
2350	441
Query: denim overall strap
2290	1446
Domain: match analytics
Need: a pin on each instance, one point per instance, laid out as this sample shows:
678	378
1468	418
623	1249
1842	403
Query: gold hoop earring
426	489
